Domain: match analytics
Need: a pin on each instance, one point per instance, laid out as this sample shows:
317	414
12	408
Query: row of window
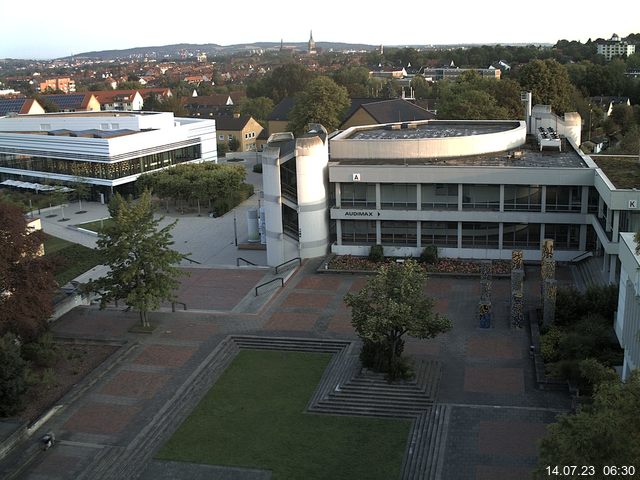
474	197
103	170
445	234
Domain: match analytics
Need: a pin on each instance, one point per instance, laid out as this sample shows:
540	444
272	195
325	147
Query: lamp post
235	229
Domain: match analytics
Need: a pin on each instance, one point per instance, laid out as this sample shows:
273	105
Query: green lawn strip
254	417
96	225
70	259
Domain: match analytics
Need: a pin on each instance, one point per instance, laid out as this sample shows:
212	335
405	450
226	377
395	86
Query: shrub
376	253
429	254
13	371
257	168
43	352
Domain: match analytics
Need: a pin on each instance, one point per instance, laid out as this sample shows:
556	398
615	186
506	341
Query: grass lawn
97	225
70	259
254	417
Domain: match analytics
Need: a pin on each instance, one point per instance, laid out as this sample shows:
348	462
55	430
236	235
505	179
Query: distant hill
212	49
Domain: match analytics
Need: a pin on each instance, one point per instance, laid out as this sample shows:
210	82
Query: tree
602	434
323	101
234	144
391	305
13	371
142	265
355	79
549	83
284	81
26	279
259	108
222	149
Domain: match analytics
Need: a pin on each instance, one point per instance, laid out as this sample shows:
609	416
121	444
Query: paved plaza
497	413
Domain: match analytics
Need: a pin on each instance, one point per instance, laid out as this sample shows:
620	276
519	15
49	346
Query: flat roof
525	156
622	171
90	114
432	129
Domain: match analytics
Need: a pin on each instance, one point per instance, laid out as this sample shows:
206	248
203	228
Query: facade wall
627	321
359	117
277	126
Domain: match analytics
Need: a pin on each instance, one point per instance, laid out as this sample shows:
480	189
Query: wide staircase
588	273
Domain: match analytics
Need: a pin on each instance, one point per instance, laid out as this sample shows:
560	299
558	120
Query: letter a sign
356	177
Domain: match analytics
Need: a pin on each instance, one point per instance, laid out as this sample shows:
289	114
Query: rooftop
526	156
624	172
433	129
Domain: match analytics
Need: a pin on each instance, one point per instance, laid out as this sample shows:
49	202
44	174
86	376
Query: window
565	237
398	195
480	235
522	198
563	199
440	196
358	195
358	232
220	137
521	235
441	234
481	197
398	233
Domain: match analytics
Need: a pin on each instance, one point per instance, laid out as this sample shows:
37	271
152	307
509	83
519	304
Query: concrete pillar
460	192
378	233
339	232
600	207
613	264
378	197
542	234
502	198
584	205
500	234
419	234
338	195
418	197
583	238
459	234
616	225
543	199
608	221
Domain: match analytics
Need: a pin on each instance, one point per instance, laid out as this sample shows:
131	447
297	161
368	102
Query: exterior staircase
588	273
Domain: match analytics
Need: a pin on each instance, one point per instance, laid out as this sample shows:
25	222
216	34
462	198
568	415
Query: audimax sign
361	213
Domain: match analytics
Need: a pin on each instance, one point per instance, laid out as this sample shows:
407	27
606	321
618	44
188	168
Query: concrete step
366	411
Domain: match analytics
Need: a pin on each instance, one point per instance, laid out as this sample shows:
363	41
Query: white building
614	47
108	150
627	323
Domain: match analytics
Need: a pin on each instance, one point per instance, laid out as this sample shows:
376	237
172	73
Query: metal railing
244	260
289	261
173	306
185	257
269	282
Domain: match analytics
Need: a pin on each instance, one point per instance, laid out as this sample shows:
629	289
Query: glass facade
102	170
441	234
522	198
439	196
480	235
481	197
401	196
358	232
521	235
563	199
565	237
358	195
399	233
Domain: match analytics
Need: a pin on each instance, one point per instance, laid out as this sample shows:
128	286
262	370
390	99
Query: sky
50	30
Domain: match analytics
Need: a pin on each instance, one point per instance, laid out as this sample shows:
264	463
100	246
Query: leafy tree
420	87
234	144
322	101
259	108
222	149
623	116
549	83
47	105
602	434
391	305
142	265
26	279
13	372
630	143
284	81
355	79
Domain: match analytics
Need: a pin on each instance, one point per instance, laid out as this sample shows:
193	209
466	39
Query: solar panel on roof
11	105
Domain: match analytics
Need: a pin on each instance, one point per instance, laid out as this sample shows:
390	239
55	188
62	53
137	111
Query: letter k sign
633	204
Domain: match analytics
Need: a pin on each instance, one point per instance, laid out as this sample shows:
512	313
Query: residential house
243	128
614	47
123	100
212	105
376	111
64	84
606	104
74	102
22	106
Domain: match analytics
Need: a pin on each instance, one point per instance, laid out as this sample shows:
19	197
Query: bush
43	352
13	371
429	254
571	305
257	168
376	253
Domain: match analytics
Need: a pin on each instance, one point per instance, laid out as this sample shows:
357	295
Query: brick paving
497	413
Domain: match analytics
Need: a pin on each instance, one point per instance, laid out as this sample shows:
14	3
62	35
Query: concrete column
459	234
543	199
418	234
378	197
418	197
542	234
338	195
608	221
460	197
584	206
583	238
339	232
378	233
600	207
613	264
501	200
605	263
616	225
500	233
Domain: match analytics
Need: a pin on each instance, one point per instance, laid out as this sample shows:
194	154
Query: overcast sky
39	29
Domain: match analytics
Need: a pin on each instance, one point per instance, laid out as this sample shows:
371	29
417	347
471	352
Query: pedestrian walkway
489	413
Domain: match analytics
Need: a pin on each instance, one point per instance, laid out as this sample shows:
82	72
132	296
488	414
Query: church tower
312	44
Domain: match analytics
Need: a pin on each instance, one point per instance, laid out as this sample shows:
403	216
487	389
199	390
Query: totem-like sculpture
548	283
517	288
484	307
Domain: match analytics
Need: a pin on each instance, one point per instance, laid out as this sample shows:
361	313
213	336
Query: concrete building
451	73
66	85
108	150
614	47
627	322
